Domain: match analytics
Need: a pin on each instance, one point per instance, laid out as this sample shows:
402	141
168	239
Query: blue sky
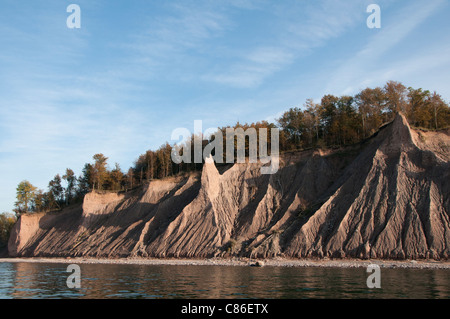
136	70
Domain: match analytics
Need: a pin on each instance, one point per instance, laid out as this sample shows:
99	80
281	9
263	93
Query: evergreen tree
116	177
71	180
56	192
85	180
100	172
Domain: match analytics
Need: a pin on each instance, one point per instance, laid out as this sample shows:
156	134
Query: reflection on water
34	280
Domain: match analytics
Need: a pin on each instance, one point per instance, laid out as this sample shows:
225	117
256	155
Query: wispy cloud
252	68
300	28
314	23
191	42
360	68
175	43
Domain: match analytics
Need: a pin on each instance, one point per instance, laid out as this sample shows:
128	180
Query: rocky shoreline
243	262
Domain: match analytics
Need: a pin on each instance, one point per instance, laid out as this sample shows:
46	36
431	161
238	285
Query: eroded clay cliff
386	198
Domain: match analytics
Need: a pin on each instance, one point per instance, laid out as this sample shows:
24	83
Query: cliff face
390	198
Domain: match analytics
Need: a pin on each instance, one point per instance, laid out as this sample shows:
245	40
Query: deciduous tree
25	194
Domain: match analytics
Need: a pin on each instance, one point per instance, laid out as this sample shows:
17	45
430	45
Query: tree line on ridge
332	122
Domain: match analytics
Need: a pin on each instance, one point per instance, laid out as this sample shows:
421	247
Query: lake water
40	280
